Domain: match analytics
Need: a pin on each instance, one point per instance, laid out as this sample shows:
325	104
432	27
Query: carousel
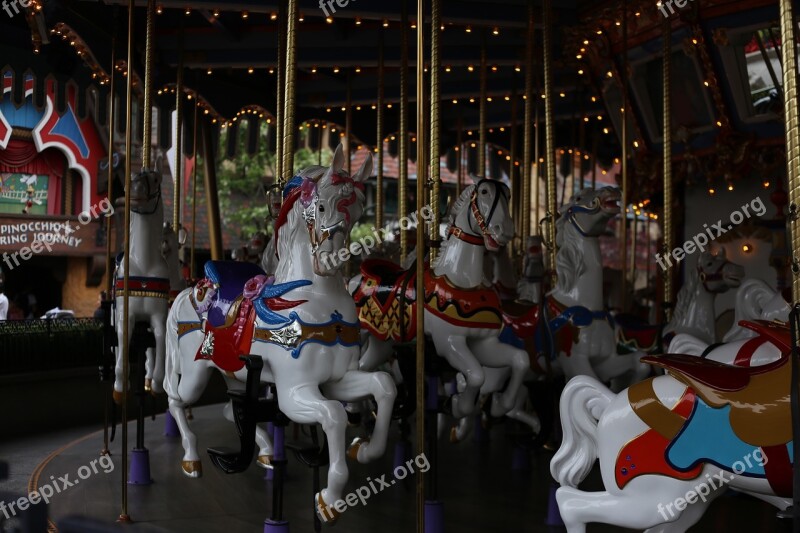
232	207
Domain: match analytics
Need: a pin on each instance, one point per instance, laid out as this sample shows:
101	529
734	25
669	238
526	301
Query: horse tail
172	364
582	404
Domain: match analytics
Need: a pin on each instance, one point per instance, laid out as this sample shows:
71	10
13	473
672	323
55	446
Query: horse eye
484	191
322	209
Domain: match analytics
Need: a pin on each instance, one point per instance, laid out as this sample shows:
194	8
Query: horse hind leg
193	381
455	350
158	323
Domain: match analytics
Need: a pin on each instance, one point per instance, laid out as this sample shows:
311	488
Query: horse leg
303	403
158	323
355	385
264	459
491	352
455	350
519	414
689	517
119	375
193	381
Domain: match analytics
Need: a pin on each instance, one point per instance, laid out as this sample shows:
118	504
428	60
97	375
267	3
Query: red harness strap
468	238
144	284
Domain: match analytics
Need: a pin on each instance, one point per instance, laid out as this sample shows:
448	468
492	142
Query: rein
470	238
575	209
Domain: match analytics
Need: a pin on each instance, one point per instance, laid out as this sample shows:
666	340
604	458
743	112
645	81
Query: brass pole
517	205
632	265
421	178
460	153
482	126
435	126
147	143
527	171
194	191
402	185
178	177
348	122
582	143
594	161
281	93
379	200
212	197
792	134
625	192
110	192
124	517
668	187
289	102
549	140
536	176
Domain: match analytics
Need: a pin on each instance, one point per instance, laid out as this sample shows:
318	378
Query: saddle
636	334
229	277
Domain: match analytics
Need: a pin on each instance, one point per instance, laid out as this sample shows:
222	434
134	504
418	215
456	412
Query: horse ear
722	253
365	171
338	160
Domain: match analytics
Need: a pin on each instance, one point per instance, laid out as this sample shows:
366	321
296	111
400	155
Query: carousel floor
481	491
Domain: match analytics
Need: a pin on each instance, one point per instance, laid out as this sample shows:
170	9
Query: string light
273	16
245	15
159	9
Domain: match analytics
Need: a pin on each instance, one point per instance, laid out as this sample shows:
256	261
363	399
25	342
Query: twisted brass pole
124	517
668	186
625	192
517	205
194	191
530	102
348	122
460	153
549	140
792	126
435	167
280	93
177	178
402	185
289	102
110	193
482	127
148	86
379	183
420	285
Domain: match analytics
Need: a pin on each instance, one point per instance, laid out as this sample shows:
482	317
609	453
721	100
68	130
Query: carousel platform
482	490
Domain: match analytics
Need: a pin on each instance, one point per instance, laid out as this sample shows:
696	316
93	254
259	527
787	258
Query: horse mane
751	298
685	296
455	210
569	259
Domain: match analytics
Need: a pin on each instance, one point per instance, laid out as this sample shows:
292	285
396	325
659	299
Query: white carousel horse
170	251
312	354
462	315
694	313
670	445
149	278
529	287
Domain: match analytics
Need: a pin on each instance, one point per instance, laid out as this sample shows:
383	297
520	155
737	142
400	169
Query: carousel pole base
278	451
140	467
276	526
170	426
553	514
434	517
520	459
401	453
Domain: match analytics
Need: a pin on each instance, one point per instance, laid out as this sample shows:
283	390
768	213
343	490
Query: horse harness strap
327	334
140	287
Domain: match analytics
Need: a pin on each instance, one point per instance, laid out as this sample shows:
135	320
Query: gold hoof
326	513
192	468
117	396
454	435
148	385
265	461
352	451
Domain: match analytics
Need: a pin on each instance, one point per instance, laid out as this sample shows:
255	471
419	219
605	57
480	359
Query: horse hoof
148	385
352	451
117	396
265	462
454	435
327	514
192	468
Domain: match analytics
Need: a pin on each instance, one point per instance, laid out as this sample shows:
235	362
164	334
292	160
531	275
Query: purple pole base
434	517
479	434
278	451
521	459
170	426
553	514
401	454
271	430
276	526
140	467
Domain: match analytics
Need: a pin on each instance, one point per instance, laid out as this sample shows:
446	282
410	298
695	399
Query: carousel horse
302	323
149	278
462	315
529	286
694	311
670	445
170	251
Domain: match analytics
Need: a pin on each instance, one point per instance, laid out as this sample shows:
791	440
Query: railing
41	345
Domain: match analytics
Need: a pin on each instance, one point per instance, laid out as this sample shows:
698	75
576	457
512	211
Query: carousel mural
466	265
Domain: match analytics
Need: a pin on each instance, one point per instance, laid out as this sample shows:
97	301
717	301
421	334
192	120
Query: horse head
170	243
481	215
331	206
145	193
256	245
717	274
589	210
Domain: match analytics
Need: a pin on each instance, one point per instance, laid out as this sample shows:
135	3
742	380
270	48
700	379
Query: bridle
590	210
483	223
717	275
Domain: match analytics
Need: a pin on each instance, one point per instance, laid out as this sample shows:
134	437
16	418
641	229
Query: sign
66	235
